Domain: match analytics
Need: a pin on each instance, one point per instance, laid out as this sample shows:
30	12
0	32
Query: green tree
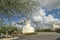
7	29
1	22
1	30
9	7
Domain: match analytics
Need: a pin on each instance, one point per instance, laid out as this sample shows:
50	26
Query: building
28	28
25	26
57	25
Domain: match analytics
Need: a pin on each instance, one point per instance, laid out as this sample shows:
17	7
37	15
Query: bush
31	33
57	30
43	30
9	29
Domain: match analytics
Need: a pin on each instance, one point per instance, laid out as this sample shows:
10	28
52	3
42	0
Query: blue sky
55	13
52	7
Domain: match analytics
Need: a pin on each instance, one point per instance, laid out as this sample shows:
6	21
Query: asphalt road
41	36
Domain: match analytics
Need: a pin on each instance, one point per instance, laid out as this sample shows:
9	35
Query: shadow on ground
57	39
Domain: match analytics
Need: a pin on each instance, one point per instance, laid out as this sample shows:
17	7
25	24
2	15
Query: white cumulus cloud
41	20
41	16
51	4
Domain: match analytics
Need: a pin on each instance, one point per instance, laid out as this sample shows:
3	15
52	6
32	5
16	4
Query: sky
49	12
54	13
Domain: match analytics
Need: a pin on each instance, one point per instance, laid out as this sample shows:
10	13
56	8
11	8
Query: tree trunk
6	34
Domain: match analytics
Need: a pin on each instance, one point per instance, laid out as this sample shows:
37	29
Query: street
41	36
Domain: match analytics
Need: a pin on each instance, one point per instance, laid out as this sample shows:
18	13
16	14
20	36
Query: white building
56	26
28	28
25	28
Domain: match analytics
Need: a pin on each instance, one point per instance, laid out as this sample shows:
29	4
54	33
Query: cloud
41	16
38	16
49	18
41	20
51	4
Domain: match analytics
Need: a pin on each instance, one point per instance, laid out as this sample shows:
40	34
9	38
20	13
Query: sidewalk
10	38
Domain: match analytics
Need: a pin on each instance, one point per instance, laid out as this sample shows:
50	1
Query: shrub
31	33
43	30
9	29
57	30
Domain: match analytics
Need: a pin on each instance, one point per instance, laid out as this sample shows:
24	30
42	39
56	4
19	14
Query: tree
7	29
9	7
1	22
1	30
